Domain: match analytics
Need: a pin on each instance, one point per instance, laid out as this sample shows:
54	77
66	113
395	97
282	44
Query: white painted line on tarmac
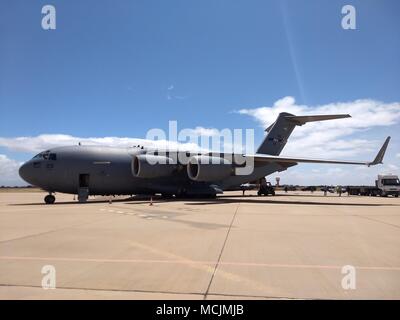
185	261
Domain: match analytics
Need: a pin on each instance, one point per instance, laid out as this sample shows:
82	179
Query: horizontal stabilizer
281	129
300	120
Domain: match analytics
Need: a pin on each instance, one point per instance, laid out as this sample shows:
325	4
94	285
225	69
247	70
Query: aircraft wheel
49	199
259	193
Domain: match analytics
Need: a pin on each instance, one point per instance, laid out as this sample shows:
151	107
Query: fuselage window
53	156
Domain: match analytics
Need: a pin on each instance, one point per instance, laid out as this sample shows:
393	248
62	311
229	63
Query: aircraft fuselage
108	171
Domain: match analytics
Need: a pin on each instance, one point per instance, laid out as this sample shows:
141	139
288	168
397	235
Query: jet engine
151	166
208	169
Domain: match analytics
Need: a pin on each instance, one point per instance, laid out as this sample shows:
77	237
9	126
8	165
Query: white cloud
9	172
391	166
48	141
171	96
329	139
201	131
190	141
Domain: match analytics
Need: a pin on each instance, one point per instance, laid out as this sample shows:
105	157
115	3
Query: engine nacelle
151	166
208	169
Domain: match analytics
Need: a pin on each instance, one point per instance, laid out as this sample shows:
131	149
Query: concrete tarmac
291	246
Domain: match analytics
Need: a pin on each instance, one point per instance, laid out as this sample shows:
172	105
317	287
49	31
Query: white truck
385	185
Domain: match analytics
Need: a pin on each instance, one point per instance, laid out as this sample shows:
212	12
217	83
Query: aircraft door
84	180
83	189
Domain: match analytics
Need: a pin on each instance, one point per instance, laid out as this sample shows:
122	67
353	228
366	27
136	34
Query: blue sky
119	68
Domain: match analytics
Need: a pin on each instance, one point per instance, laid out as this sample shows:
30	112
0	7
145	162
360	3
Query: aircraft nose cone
24	172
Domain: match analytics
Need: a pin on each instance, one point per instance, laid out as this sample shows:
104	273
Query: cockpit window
46	155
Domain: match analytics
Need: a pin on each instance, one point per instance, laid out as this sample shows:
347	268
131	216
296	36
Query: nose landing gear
49	199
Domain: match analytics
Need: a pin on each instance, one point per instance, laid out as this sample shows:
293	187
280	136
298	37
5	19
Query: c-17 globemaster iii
98	170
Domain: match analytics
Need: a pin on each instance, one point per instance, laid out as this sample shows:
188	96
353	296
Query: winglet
379	157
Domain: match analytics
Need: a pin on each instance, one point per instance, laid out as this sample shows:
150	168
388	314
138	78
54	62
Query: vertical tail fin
281	129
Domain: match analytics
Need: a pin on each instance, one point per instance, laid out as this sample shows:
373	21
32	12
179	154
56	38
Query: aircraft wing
269	158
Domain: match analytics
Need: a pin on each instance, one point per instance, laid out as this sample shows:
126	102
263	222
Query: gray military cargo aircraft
97	170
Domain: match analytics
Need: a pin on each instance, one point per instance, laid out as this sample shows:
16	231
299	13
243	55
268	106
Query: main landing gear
266	188
49	199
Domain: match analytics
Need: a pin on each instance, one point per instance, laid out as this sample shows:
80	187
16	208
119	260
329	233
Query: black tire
259	193
49	199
